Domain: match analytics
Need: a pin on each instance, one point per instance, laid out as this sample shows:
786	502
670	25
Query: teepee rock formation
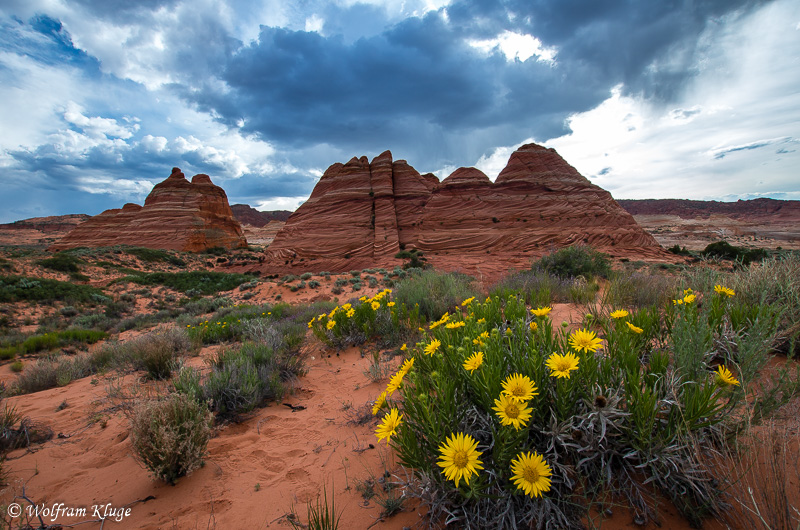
366	211
177	215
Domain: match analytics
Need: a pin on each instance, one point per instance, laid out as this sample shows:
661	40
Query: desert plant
524	418
321	515
574	261
434	292
170	436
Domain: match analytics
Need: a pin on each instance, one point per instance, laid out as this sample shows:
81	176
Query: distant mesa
247	215
365	212
177	215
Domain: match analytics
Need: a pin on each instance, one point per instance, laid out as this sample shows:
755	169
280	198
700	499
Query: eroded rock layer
177	215
366	211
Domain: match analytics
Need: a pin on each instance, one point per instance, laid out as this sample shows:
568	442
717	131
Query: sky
99	99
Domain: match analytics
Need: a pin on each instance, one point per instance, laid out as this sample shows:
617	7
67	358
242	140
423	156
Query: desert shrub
378	318
170	436
248	285
58	339
50	372
676	249
156	352
634	289
152	255
726	251
93	321
414	259
639	397
187	382
356	287
16	366
61	262
574	261
203	282
313	284
538	288
337	290
240	380
68	311
434	292
19	288
18	431
306	276
773	282
216	251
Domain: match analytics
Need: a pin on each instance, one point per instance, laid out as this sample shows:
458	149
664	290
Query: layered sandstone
364	212
177	215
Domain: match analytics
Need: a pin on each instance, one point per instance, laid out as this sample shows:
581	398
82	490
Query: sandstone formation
247	215
177	215
689	209
365	212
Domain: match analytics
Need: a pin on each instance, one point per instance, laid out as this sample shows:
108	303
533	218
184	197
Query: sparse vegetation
201	282
170	436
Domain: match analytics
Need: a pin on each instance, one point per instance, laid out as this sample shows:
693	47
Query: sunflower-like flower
389	425
634	328
375	306
395	382
541	311
407	364
473	362
350	313
346	306
459	457
689	298
619	313
724	290
725	377
455	325
531	474
584	340
468	301
562	365
533	325
379	403
431	348
520	387
390	304
512	412
330	324
404	347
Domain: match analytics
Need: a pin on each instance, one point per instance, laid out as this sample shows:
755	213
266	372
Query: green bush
156	352
202	282
434	292
240	380
574	261
170	437
22	288
152	255
61	262
642	399
726	251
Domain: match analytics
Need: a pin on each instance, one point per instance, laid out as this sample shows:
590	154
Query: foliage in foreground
510	423
170	436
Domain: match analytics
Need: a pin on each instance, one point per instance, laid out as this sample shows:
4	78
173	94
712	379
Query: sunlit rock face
178	214
364	212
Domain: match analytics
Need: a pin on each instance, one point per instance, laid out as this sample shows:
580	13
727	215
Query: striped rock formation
177	215
364	212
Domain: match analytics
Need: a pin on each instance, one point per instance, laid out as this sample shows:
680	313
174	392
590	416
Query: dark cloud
418	82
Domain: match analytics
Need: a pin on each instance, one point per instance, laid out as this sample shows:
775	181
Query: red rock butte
177	215
364	212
